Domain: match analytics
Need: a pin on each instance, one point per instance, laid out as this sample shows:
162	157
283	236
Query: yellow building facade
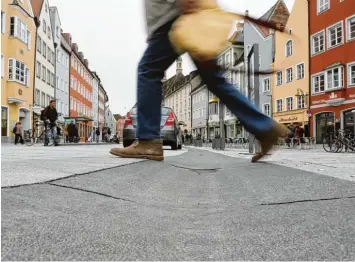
290	85
18	34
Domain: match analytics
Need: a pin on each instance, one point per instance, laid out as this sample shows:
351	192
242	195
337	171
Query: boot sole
149	157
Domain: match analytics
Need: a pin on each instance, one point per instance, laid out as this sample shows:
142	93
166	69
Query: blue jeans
158	56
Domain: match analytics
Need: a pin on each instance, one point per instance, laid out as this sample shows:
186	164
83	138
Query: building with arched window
290	85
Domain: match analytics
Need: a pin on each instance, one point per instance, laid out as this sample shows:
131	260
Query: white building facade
177	91
45	59
95	100
62	73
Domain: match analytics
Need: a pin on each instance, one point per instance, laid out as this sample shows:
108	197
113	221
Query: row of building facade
314	61
40	63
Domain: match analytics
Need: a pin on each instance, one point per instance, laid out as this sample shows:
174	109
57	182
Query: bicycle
38	133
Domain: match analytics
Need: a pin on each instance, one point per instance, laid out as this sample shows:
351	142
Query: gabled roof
37	7
176	82
237	37
277	14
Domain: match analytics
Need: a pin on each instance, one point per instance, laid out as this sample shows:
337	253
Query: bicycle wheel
29	141
337	146
327	146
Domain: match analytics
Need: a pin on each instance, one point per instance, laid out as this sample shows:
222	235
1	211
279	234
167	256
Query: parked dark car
169	129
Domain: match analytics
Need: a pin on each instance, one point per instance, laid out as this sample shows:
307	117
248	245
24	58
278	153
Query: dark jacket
50	114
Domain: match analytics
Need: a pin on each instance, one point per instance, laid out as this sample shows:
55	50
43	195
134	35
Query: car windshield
164	111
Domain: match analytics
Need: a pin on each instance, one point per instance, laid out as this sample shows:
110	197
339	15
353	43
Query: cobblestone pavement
340	165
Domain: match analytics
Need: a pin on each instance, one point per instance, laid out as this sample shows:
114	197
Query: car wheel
174	146
127	143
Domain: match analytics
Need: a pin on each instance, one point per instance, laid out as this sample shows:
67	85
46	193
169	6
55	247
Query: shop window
4	121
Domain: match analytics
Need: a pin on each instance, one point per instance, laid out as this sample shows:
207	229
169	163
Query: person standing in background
18	130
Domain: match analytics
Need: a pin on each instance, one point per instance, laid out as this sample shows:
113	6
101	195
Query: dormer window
289	48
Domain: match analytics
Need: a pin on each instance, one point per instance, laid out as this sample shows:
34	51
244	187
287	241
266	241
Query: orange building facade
332	65
81	82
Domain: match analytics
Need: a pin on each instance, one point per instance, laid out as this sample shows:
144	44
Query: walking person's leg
265	129
16	138
157	58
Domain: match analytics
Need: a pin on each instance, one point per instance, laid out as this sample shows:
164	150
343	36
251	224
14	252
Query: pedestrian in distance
97	135
18	131
50	115
159	55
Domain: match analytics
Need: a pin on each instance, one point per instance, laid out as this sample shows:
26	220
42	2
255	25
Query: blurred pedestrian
159	55
18	131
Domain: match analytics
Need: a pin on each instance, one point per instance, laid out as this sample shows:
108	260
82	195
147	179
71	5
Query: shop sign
288	119
69	120
317	102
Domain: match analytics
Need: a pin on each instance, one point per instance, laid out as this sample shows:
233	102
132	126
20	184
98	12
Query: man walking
18	130
50	117
159	55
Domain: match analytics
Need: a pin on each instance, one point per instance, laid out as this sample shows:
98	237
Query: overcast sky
111	34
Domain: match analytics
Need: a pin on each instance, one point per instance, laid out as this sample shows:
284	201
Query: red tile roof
36	7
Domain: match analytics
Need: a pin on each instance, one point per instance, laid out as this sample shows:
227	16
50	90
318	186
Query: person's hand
47	121
189	6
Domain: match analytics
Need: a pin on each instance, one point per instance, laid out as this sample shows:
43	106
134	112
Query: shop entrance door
348	118
321	124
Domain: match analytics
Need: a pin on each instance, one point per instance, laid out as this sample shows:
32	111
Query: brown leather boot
148	149
269	139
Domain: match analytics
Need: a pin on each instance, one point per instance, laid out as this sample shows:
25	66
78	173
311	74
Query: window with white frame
300	71
289	75
335	35
317	43
44	50
49	54
19	72
48	77
18	29
57	31
227	62
351	74
44	73
37	97
335	78
301	102
28	40
318	83
44	25
279	107
3	22
266	109
58	87
43	99
279	78
289	103
62	84
266	85
322	5
350	28
49	32
52	80
39	44
289	48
